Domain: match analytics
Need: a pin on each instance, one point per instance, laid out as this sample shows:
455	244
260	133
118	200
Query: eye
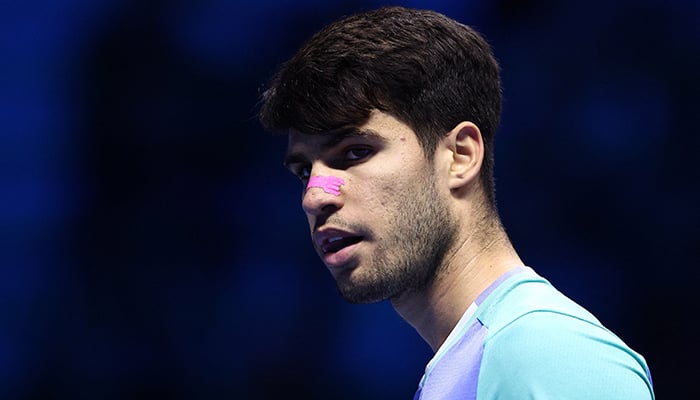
303	172
357	153
300	170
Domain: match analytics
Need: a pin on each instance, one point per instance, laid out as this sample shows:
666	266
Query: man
391	116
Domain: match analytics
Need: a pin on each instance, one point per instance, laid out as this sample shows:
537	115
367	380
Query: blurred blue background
153	246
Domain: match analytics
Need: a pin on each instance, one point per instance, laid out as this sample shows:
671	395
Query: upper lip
324	237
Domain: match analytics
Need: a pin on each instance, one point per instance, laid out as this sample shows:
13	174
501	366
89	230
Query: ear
467	148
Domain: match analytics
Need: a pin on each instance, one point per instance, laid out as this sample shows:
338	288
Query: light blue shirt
523	339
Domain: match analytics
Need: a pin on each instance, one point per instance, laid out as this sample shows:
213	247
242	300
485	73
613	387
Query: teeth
330	242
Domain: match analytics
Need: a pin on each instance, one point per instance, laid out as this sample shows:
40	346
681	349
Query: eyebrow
333	139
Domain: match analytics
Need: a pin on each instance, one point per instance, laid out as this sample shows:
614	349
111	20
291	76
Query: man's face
388	229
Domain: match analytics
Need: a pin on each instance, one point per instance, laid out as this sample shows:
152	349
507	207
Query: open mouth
337	243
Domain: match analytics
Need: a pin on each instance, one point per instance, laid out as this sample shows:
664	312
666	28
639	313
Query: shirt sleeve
550	355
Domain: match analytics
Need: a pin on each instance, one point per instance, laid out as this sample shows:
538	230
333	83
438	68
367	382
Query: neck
470	268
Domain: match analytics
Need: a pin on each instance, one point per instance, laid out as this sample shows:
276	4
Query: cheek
383	195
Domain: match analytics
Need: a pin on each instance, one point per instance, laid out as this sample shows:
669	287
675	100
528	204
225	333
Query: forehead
378	127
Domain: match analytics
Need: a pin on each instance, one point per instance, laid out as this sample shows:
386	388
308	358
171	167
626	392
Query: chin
363	293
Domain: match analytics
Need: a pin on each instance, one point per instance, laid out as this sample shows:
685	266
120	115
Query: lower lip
340	257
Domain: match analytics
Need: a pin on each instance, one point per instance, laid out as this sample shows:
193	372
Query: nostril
329	208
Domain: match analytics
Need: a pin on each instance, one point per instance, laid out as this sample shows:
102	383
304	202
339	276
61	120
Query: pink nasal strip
330	184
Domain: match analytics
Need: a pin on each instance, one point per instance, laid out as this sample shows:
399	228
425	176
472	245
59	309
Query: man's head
391	116
425	69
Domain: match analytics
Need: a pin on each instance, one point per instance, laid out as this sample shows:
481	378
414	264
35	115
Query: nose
322	195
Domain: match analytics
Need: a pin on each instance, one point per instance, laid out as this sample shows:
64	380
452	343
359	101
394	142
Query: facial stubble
409	255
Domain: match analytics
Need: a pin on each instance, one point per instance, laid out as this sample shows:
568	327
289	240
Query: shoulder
543	344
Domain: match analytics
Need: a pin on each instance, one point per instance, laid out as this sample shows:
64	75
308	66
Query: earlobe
467	147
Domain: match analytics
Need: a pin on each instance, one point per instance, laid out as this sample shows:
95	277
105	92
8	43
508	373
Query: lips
333	240
336	244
